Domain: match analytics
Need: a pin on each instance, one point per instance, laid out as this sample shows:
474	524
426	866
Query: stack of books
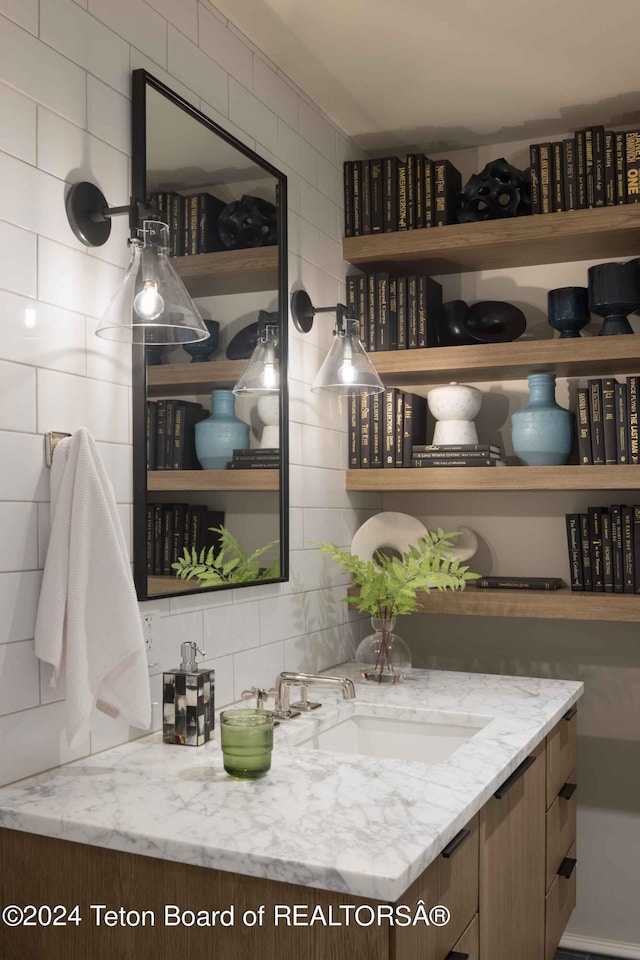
594	168
388	194
192	221
608	421
170	527
457	455
384	427
395	313
259	458
604	549
171	434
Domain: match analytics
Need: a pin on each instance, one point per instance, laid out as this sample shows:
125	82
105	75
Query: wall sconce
346	369
151	304
262	373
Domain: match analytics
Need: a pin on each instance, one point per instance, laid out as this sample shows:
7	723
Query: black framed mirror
210	466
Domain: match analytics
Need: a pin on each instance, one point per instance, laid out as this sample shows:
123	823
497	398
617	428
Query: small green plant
231	564
388	585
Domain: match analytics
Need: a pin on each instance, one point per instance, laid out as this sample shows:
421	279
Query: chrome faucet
286	711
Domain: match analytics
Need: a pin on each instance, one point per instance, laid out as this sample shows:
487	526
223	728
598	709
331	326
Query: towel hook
51	440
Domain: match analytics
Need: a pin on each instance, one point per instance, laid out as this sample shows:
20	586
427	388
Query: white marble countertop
356	824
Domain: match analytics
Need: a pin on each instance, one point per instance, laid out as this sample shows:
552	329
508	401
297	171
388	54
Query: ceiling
455	73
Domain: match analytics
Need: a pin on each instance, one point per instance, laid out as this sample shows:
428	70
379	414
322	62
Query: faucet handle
304	704
260	694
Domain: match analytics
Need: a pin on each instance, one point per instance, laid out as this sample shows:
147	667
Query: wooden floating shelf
560	604
219	480
501	244
573	477
229	271
176	379
160	585
581	357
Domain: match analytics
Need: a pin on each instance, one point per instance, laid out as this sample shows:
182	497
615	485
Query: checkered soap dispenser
188	700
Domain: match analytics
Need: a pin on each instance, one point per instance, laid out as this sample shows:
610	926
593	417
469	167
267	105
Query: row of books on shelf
384	427
170	527
192	221
171	434
457	455
594	168
395	313
608	421
388	194
604	549
255	458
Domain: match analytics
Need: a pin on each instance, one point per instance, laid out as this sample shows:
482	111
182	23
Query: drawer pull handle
453	845
570	714
456	955
568	791
515	776
567	867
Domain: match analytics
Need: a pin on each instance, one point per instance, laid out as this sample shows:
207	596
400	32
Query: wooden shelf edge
179	378
229	271
571	477
176	481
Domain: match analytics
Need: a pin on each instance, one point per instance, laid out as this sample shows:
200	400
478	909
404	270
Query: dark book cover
633	400
628	560
569	171
150	434
519	583
389	426
191	225
534	166
586	552
362	313
399	429
179	520
365	189
429	306
636	548
597	426
392	316
148	539
382	312
377	203
621	193
351	289
576	578
258	456
207	538
403	221
372	318
377	430
253	465
348	197
610	189
461	462
209	210
365	431
589	166
194	519
632	166
412	312
429	194
401	294
609	419
354	432
546	178
390	167
157	539
256	452
447	449
176	224
581	170
584	427
616	542
411	191
167	539
622	424
357	198
595	547
169	433
607	552
414	427
558	176
448	183
187	414
161	410
598	166
444	454
419	191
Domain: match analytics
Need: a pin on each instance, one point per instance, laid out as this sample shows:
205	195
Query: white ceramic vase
454	406
268	407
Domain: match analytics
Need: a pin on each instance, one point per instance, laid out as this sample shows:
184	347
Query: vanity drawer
561	754
467	946
559	904
458	885
561	828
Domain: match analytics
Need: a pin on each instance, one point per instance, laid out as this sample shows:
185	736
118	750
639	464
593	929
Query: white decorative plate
388	532
465	545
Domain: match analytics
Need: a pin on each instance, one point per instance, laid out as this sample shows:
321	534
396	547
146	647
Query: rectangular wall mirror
204	457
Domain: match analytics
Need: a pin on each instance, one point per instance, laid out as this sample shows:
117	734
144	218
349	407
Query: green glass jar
247	741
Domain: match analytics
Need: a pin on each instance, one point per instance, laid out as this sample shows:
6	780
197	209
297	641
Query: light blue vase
542	433
221	433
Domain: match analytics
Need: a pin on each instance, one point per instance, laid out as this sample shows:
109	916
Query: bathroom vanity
452	789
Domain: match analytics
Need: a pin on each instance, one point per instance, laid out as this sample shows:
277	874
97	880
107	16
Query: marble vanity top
355	824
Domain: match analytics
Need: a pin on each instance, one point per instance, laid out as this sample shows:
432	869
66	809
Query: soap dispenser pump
188	700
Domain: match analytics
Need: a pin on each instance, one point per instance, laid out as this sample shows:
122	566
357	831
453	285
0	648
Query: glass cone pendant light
262	373
347	368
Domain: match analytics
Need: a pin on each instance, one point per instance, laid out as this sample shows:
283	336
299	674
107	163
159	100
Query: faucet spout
286	680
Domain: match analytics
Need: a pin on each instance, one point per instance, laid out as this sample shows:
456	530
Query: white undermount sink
427	737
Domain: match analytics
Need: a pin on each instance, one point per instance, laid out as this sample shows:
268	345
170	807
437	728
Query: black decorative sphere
249	222
568	310
498	191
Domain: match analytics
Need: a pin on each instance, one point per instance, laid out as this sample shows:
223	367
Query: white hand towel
88	626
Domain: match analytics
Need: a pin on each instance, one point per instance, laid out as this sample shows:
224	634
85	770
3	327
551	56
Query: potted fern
230	564
387	587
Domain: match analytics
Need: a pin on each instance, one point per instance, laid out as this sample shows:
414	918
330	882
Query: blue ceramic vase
542	433
221	433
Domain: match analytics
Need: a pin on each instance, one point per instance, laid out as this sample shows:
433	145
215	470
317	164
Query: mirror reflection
210	508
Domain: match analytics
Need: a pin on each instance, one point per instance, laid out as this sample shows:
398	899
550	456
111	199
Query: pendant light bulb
347	373
269	377
148	304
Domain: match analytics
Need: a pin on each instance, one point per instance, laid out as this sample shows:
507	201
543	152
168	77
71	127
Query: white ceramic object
464	546
268	407
386	531
454	406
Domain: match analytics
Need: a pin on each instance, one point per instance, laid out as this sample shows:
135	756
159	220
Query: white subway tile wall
64	91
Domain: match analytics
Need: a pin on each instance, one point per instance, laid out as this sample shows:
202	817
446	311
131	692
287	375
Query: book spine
569	169
412	312
377	205
632	166
455	455
253	465
595	413
633	391
177	445
401	294
389	431
365	432
546	178
595	547
621	193
576	579
361	308
411	191
382	311
167	539
390	193
609	419
448	183
392	313
148	539
150	434
422	312
419	192
461	462
584	427
161	410
586	552
558	176
607	552
534	164
517	583
402	223
357	198
628	564
453	448
377	426
609	169
157	539
588	165
429	194
169	436
598	167
372	319
407	429
189	238
636	549
399	427
365	189
348	197
622	424
351	285
179	512
581	170
616	541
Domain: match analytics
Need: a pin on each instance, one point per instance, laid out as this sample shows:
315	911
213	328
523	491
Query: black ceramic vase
568	310
614	292
202	351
